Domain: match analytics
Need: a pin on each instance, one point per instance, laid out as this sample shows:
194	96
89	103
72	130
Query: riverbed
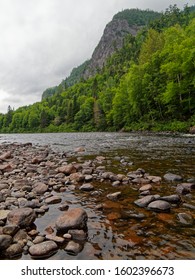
112	233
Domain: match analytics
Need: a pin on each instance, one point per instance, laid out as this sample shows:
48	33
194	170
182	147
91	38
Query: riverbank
38	219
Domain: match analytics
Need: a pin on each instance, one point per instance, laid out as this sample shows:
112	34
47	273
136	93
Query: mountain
147	83
126	22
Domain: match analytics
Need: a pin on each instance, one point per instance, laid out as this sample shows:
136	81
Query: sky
41	41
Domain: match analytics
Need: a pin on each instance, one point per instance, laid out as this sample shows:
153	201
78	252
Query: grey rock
184	188
189	206
159	206
174	198
172	177
144	201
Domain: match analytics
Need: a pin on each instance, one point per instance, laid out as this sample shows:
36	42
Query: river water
111	234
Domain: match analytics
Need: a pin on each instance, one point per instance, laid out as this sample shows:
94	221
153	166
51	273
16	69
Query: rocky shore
32	178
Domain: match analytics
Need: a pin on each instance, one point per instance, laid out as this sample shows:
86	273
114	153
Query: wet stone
14	250
22	217
73	248
44	249
77	234
10	229
75	218
53	200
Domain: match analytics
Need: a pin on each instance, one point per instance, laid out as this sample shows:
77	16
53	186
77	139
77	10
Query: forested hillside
147	84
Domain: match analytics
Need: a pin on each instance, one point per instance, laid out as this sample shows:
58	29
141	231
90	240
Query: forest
149	84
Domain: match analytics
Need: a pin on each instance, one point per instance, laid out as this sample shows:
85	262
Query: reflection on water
112	232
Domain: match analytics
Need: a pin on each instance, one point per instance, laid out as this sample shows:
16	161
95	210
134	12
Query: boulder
43	249
159	206
21	217
75	218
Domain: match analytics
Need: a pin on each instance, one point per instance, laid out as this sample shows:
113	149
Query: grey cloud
42	40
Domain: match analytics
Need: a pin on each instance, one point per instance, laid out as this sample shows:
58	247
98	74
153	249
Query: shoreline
33	179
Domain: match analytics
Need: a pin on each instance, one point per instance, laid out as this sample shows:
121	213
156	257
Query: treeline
148	84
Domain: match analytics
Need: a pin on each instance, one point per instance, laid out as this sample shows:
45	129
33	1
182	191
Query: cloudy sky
42	40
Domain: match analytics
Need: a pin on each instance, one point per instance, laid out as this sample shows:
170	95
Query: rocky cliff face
111	41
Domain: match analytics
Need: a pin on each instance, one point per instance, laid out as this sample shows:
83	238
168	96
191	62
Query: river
111	234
